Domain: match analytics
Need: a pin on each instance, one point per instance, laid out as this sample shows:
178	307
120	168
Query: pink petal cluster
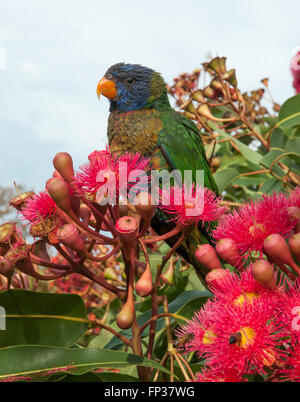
242	288
191	204
87	179
291	370
252	223
219	374
238	331
40	206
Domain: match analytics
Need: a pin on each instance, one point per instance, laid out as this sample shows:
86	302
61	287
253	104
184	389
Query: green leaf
269	158
30	360
100	340
277	139
293	145
270	186
248	153
253	180
289	115
224	177
116	377
189	309
42	318
229	160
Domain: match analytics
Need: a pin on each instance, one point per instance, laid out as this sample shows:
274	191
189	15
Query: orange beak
107	88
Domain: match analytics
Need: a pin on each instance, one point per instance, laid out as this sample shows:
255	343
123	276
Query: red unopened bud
6	266
207	256
59	191
294	243
215	278
294	213
276	248
57	175
40	250
69	235
127	227
263	273
125	317
63	163
85	213
143	286
227	249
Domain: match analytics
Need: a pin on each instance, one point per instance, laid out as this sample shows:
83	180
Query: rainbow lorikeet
142	120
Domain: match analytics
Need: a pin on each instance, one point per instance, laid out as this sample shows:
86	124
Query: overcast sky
57	50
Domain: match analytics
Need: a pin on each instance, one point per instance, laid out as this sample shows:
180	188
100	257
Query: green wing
181	146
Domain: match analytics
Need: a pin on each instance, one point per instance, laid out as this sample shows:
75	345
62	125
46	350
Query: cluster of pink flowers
88	179
250	224
252	324
190	204
247	330
38	207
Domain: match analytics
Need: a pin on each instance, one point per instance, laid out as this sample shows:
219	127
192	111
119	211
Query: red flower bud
69	235
294	213
143	286
63	163
263	273
294	243
207	256
59	191
215	277
57	175
85	213
227	249
127	228
125	317
276	248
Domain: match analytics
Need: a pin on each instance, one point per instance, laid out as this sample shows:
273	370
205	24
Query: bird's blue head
132	87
